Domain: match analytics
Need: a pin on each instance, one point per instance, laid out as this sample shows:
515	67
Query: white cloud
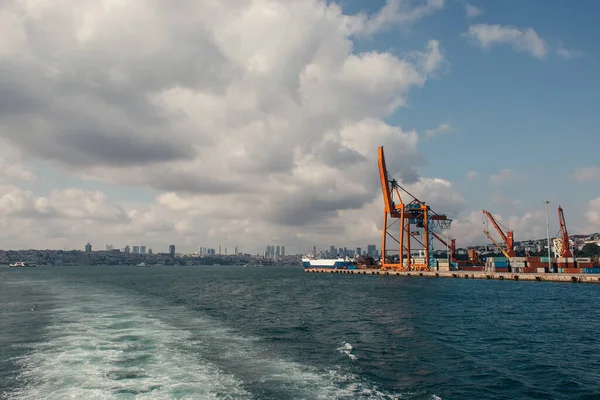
472	175
442	128
586	174
520	39
593	214
398	12
472	11
469	229
253	121
566	53
505	175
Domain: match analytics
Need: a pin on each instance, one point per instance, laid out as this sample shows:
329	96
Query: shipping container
540	270
591	270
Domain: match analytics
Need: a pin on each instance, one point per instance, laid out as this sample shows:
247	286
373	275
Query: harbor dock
507	276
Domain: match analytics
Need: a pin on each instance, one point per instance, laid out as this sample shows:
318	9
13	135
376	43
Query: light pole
548	236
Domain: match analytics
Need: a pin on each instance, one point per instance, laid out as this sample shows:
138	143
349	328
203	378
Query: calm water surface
280	333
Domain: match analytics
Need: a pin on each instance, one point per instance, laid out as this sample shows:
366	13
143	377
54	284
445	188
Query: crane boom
507	238
385	184
496	243
566	248
452	245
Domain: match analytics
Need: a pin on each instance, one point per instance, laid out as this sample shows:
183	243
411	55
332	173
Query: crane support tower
414	213
564	248
507	238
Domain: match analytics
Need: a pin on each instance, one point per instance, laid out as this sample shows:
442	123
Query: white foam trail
101	347
346	349
105	345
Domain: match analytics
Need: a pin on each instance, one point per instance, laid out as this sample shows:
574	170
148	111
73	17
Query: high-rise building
127	250
109	247
372	250
150	251
315	251
143	249
219	249
235	251
278	251
172	250
332	251
136	250
282	251
88	247
358	251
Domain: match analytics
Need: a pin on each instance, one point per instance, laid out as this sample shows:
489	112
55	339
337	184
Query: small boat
142	264
21	264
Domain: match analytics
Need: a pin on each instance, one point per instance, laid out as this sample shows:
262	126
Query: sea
276	332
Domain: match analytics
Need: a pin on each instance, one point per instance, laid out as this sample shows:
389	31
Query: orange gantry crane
507	238
564	245
414	213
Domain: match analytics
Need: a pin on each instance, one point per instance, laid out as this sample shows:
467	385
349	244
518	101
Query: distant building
127	250
88	247
282	251
109	247
150	251
136	250
172	250
143	249
235	250
358	251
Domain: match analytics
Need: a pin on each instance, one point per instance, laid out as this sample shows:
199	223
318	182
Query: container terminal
410	228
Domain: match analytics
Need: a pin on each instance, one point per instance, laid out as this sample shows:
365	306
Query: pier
506	276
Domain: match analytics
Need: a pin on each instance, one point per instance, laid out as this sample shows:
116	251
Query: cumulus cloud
469	229
242	115
520	39
442	128
586	174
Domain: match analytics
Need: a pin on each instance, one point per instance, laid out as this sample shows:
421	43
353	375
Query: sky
256	122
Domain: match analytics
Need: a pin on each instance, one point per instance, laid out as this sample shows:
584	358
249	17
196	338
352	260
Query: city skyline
269	134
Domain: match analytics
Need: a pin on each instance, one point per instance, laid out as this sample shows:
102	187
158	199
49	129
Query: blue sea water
280	333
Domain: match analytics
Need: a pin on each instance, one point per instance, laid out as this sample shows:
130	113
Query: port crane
452	246
562	245
412	212
507	238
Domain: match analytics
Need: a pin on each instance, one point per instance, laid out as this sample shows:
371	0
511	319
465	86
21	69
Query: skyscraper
282	251
127	249
136	250
88	247
172	250
143	249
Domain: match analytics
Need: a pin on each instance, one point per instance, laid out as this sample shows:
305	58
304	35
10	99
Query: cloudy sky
254	122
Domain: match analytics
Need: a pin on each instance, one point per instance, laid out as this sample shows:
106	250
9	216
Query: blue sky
508	109
197	104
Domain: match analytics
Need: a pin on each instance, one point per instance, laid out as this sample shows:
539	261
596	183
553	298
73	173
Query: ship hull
327	264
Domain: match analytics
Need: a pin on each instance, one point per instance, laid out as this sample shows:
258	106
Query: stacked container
497	264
